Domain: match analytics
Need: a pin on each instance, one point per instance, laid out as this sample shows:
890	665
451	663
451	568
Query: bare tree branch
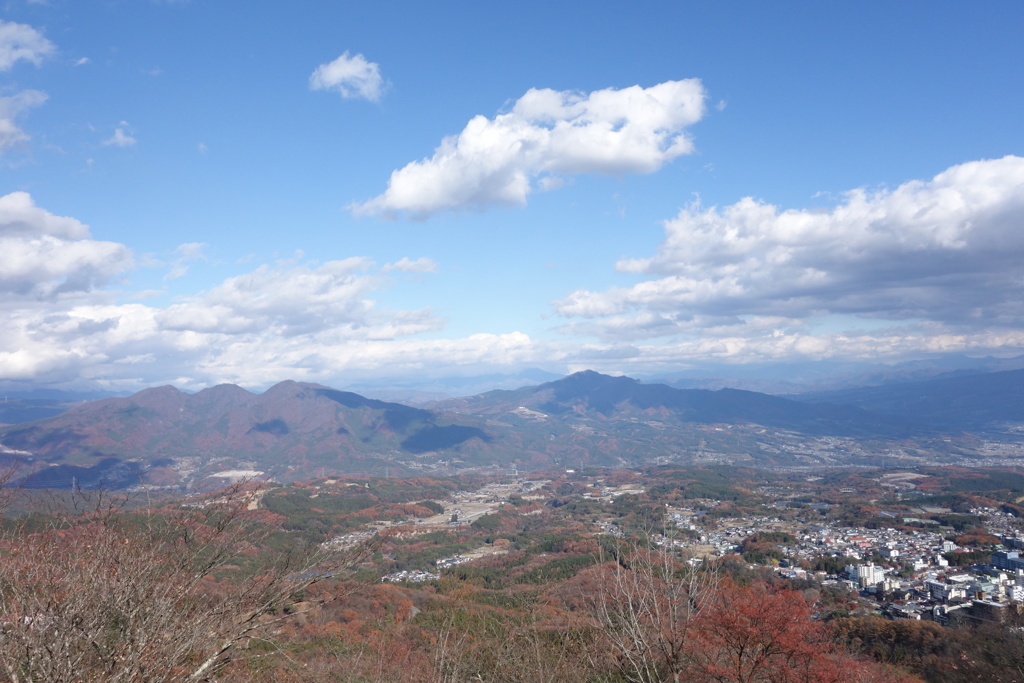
104	593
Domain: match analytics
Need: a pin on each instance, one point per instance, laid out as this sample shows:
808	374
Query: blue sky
203	192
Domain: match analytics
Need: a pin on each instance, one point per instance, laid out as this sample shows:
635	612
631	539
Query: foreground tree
760	633
646	604
106	595
664	619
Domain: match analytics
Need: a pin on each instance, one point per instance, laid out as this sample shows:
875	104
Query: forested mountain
291	430
164	436
601	397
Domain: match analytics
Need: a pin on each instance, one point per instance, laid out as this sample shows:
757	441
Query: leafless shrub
645	603
489	648
105	594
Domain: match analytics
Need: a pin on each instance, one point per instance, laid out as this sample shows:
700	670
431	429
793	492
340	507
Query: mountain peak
224	390
589	380
594	376
290	388
157	397
165	390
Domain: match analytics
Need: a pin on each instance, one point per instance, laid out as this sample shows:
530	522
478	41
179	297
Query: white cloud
351	77
121	136
19	42
291	319
940	258
177	270
82	61
191	251
896	344
12	107
291	300
547	133
20	215
185	254
747	282
309	321
407	265
43	255
550	182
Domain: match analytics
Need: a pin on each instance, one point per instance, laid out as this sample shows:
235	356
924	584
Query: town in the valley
909	557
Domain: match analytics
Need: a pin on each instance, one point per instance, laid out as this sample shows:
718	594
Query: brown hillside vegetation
555	582
208	592
104	594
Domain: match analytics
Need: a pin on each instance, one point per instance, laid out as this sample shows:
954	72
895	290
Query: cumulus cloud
43	255
290	319
546	135
12	107
407	265
20	216
941	256
291	300
20	42
349	76
303	320
121	137
928	267
130	346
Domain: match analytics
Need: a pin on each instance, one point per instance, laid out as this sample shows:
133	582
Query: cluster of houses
410	575
931	589
418	576
347	540
939	592
983	593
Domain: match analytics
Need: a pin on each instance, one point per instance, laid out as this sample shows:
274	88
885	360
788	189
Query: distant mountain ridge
986	402
603	396
163	436
291	429
790	379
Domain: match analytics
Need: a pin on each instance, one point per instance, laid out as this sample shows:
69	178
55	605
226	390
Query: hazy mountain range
163	436
988	403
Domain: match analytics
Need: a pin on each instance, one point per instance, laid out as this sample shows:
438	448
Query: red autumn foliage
754	633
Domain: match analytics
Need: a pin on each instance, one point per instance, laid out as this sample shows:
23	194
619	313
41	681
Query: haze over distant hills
786	379
799	378
602	398
163	436
770	378
987	403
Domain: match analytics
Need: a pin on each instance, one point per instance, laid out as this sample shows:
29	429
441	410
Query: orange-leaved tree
756	633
